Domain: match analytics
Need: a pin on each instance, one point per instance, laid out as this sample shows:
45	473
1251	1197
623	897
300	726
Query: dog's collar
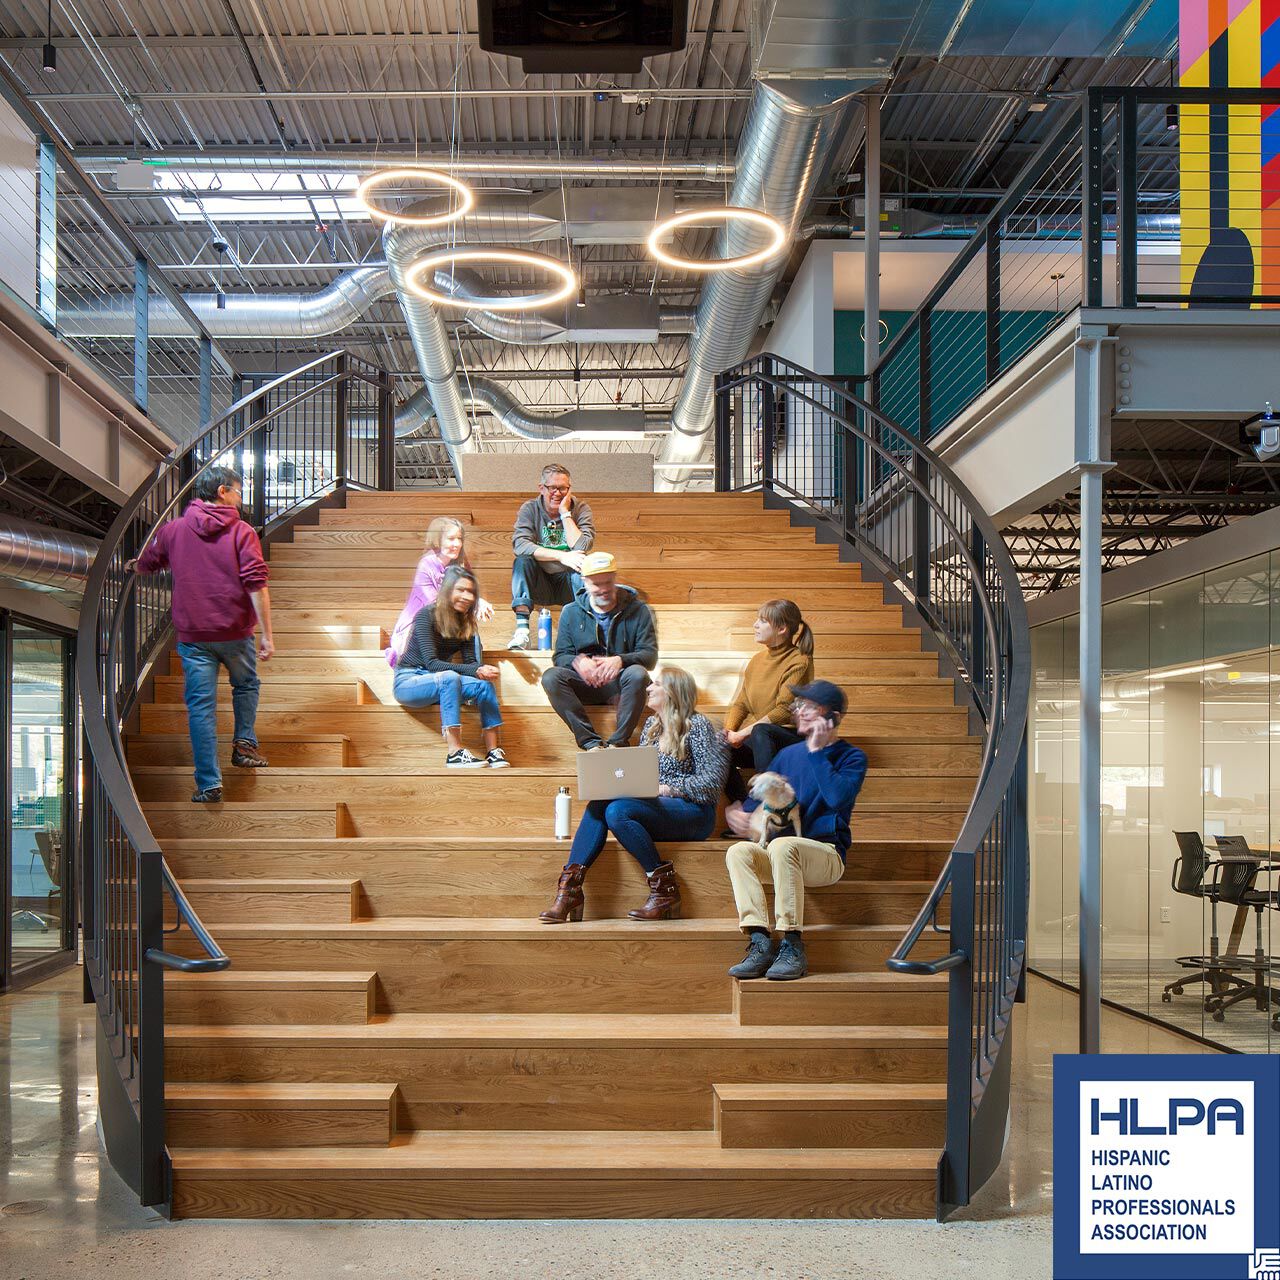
784	814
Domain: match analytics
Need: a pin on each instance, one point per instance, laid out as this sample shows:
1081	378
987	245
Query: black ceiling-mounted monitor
572	36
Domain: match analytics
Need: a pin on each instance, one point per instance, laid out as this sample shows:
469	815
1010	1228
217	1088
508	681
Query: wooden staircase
399	1037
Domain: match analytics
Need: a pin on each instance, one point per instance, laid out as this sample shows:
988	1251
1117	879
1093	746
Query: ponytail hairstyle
675	716
449	622
785	614
439	529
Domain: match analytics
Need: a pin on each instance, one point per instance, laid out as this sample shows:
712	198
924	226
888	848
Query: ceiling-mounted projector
555	37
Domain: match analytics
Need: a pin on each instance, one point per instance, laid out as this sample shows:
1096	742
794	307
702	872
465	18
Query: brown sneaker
245	755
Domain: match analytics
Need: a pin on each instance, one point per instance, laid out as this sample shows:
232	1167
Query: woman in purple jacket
445	545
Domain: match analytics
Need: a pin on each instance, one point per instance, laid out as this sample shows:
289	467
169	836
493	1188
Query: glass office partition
1190	712
40	733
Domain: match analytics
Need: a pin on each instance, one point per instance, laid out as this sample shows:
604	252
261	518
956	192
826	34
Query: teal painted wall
958	358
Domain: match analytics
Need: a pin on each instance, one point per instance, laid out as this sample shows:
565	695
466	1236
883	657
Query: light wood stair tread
275	979
248	1097
834	1097
317	884
871	979
530	1155
482	843
517	928
583	1030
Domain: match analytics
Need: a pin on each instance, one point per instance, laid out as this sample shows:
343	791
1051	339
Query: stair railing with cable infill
323	428
809	443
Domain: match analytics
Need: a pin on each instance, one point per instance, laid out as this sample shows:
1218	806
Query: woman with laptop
680	803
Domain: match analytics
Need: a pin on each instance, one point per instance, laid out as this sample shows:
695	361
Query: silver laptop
616	772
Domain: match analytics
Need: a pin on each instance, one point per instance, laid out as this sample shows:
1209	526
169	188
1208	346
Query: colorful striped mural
1230	156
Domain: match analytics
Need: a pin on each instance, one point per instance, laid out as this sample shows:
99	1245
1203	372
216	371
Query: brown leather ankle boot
569	896
664	896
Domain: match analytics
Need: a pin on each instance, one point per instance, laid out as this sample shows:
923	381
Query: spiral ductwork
785	146
44	557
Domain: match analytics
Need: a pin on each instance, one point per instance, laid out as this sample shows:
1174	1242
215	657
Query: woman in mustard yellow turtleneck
758	722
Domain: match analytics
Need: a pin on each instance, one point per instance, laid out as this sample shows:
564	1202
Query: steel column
340	397
47	250
1091	198
991	246
206	381
871	239
1091	468
141	329
1127	206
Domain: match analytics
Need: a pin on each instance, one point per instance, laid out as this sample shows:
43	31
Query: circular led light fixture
424	269
725	214
411	173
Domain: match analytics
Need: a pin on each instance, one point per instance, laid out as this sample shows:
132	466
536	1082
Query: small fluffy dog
777	806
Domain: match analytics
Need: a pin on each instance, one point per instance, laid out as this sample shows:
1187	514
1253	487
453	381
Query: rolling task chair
1235	876
1190	870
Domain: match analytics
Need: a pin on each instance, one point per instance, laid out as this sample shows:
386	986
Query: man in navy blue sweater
827	775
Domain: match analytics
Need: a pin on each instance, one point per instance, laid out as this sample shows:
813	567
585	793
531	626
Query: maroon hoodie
216	560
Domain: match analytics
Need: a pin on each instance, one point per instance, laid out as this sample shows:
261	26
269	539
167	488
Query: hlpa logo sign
1160	1171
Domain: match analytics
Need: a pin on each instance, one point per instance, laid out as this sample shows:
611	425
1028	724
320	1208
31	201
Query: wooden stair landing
398	1036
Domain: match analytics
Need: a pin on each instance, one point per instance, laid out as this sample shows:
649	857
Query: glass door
39	776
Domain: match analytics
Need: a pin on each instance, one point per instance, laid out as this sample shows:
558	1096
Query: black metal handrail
325	426
834	458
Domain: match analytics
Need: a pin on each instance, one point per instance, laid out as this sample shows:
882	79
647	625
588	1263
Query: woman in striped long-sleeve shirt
692	763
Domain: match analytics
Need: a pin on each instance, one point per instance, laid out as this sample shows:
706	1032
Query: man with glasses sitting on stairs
553	532
826	773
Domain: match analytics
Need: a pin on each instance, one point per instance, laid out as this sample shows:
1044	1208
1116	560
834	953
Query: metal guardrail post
150	1047
723	445
991	247
921	533
205	409
768	427
386	436
1091	198
977	623
258	452
954	1173
1127	205
1018	858
340	424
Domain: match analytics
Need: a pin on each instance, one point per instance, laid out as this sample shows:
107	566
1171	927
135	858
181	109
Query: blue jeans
200	662
532	584
637	824
414	687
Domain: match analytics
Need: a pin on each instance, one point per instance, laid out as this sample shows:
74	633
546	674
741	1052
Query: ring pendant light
425	268
725	214
412	173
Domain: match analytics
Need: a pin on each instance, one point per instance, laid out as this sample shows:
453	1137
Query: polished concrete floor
64	1213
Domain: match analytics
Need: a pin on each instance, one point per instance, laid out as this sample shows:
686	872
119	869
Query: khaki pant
792	864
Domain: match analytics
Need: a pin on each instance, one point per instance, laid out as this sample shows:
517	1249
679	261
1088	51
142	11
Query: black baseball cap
822	692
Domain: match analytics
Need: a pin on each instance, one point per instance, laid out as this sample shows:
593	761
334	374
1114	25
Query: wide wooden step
518	881
406	875
903	818
495	965
316	900
269	995
345	530
554	1175
233	1114
494	793
520	685
680	626
527	1071
302	749
845	998
888	1116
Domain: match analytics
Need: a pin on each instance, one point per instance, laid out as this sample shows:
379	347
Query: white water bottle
562	814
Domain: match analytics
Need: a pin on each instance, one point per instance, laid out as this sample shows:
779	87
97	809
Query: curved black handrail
907	514
124	627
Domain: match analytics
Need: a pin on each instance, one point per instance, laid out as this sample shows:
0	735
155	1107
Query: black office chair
1235	876
1190	870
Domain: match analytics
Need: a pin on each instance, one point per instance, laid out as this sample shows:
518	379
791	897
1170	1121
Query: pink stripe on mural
1193	31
